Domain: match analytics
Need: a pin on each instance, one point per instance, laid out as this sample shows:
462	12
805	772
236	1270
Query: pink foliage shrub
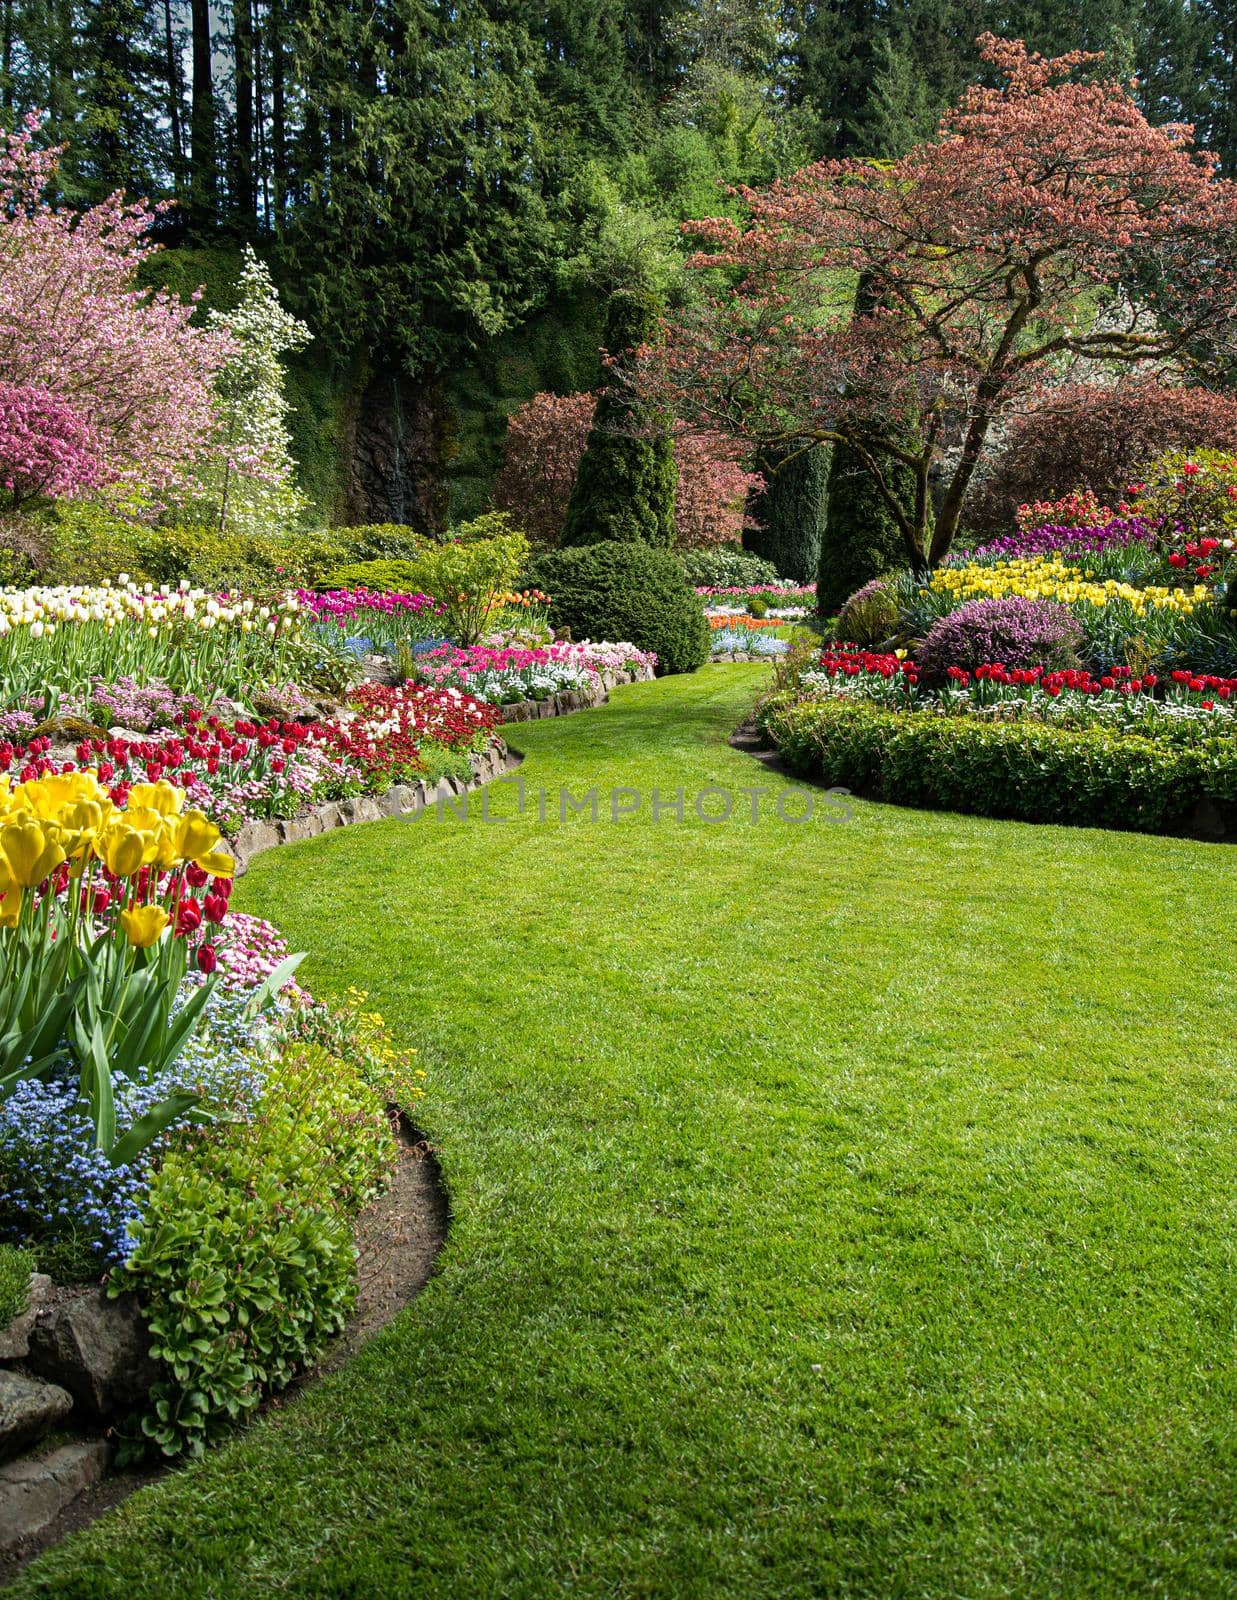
46	449
546	437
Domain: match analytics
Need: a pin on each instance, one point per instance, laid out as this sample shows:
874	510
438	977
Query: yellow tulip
162	797
10	908
123	850
218	863
30	851
197	836
143	925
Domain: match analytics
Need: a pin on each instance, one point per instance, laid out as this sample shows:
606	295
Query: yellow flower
143	925
162	797
10	908
123	850
30	851
218	863
196	837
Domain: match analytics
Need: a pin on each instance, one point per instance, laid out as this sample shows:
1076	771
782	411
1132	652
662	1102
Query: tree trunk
279	135
244	200
8	55
203	202
175	101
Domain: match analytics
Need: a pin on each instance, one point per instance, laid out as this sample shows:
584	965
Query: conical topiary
786	518
624	488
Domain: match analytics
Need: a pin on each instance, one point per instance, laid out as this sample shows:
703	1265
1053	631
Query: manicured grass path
838	1211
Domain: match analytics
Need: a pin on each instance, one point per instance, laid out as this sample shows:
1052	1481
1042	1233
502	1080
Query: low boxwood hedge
1026	771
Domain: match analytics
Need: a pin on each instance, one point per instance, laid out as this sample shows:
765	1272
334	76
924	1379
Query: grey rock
28	1410
35	1490
401	800
97	1349
329	816
15	1339
254	837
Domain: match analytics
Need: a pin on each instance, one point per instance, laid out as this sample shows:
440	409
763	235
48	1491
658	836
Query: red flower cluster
849	661
1192	551
1118	679
389	724
249	745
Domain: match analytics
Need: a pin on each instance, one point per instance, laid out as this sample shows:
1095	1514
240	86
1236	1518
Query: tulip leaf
273	983
148	1128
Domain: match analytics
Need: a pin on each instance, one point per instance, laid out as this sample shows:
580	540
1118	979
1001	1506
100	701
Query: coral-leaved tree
995	251
75	324
546	440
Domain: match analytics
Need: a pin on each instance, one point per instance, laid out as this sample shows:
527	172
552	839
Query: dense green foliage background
452	192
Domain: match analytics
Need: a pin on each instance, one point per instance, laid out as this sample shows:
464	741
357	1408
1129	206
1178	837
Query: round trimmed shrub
870	615
626	591
379	577
1016	632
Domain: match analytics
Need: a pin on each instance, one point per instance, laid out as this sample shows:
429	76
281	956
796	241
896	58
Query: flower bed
508	675
372	618
172	1110
744	639
1022	769
243	771
1182	707
63	643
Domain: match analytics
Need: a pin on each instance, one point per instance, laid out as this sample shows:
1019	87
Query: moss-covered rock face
375	445
555	352
624	590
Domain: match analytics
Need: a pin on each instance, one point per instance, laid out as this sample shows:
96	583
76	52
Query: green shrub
382	541
726	566
244	1261
870	615
1023	770
758	606
15	1268
626	591
469	578
382	577
625	484
788	514
88	542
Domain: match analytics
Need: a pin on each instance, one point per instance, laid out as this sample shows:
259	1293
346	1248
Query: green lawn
838	1210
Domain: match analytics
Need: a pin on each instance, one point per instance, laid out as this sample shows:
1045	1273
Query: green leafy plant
244	1253
16	1265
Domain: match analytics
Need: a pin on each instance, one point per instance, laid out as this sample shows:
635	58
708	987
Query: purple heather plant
1015	632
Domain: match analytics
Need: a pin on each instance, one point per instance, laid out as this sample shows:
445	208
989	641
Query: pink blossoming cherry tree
125	363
